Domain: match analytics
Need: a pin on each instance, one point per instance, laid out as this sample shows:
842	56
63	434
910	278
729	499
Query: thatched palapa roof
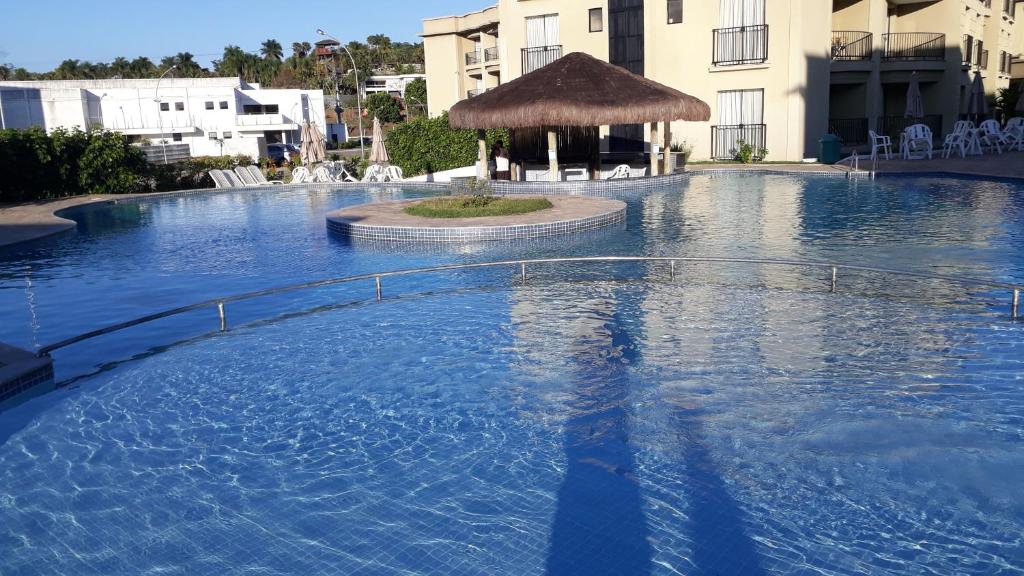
577	90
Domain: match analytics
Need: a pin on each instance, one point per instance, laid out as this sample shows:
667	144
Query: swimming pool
738	420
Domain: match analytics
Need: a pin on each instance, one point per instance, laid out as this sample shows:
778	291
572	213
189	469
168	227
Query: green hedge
39	166
425	145
36	165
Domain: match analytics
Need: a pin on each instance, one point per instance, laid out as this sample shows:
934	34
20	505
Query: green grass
475	206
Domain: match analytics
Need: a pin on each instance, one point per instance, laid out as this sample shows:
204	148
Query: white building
194	116
392	84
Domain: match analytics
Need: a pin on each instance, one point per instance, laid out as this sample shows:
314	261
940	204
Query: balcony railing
726	141
851	45
893	126
540	56
477	92
491	54
852	131
907	46
472	58
740	45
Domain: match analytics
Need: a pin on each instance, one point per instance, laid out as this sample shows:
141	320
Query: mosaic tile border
474	233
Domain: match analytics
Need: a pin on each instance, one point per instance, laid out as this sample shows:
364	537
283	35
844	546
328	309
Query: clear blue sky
39	34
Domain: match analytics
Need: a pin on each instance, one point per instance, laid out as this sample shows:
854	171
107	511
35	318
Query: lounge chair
243	174
219	180
621	171
338	172
883	143
233	178
959	139
991	135
916	142
260	179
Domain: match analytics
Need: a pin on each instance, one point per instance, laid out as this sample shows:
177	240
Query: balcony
740	45
491	54
913	46
477	92
472	58
849	45
540	56
727	140
852	131
261	122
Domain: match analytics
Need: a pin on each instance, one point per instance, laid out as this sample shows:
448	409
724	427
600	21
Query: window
675	11
209	105
736	13
596	20
176	136
270	109
223	104
227	135
741	107
213	135
165	106
179	106
542	31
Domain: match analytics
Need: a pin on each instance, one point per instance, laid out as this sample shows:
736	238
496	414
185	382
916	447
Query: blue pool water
739	420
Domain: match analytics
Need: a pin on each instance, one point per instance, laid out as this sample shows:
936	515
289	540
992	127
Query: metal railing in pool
521	265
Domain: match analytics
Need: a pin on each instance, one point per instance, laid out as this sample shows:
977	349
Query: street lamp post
359	108
159	112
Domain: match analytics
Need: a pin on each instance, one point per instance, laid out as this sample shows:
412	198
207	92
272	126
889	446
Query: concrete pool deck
33	220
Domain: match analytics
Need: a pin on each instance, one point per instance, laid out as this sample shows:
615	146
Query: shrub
425	145
384	106
110	165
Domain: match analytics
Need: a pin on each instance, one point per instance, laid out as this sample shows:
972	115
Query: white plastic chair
301	175
958	139
916	140
1013	133
374	173
621	171
883	143
338	172
392	174
991	135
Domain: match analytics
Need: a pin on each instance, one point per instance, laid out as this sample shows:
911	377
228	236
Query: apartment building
187	116
777	73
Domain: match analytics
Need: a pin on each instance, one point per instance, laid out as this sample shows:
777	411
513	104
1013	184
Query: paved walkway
22	222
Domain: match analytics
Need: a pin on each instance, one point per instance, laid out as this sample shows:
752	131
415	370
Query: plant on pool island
475	206
424	145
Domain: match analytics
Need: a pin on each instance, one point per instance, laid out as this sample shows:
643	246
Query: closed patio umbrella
1020	101
915	104
378	153
977	105
313	144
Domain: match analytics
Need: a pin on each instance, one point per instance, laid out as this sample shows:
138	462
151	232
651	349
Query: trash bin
831	149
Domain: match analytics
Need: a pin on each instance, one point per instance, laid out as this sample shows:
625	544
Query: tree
301	49
416	96
142	67
384	106
271	50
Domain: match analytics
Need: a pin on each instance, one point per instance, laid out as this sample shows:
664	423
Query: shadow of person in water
599	526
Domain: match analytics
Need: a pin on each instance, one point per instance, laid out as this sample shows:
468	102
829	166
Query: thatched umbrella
378	153
578	90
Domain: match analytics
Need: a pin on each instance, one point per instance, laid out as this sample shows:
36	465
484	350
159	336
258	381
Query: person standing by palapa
502	170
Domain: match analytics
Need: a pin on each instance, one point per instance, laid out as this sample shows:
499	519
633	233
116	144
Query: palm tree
187	65
300	49
120	67
271	50
141	67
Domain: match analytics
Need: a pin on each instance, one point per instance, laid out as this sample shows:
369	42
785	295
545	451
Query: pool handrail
220	303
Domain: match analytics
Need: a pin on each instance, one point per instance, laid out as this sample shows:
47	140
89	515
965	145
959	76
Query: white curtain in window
542	31
736	13
740	107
